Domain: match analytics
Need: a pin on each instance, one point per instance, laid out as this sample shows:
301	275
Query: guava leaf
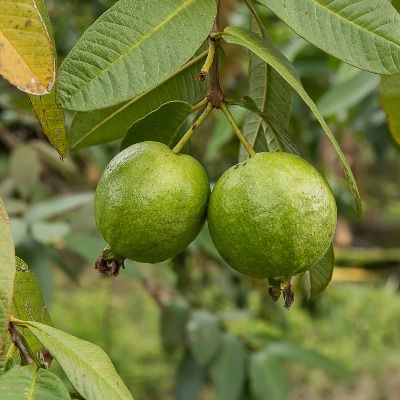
26	57
87	367
363	33
52	120
204	336
347	94
271	93
129	50
390	99
32	383
102	126
190	378
173	320
319	276
49	114
58	205
162	125
7	274
276	138
228	370
267	377
25	169
265	50
28	303
309	357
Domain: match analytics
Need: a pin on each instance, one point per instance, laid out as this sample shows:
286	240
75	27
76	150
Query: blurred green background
355	322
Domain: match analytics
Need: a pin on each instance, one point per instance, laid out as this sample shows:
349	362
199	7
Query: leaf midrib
112	115
325	7
142	39
76	354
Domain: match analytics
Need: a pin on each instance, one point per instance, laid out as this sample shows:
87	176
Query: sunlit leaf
319	276
30	383
7	273
102	126
87	367
162	125
277	60
128	50
363	33
26	57
390	99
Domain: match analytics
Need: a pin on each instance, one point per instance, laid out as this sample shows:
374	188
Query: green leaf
276	138
190	379
347	94
390	99
49	114
363	33
49	232
87	367
7	274
26	57
112	123
319	276
309	357
204	336
131	48
87	246
278	61
272	95
267	377
52	120
162	125
173	320
228	370
57	206
25	168
28	304
31	383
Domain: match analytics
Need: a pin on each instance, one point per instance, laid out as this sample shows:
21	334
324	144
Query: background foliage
355	322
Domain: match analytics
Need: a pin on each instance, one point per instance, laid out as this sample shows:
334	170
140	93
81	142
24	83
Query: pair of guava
272	216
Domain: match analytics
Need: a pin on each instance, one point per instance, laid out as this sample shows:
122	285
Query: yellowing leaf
26	55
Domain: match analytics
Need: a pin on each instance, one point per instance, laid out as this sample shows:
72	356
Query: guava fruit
272	216
150	203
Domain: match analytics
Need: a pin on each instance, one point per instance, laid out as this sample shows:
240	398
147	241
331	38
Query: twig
19	341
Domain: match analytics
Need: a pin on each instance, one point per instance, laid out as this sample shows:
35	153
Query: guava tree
149	72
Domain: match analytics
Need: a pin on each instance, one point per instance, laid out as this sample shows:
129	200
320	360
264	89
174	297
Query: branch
19	341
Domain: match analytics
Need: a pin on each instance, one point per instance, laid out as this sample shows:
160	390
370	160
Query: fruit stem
177	149
212	46
237	130
200	105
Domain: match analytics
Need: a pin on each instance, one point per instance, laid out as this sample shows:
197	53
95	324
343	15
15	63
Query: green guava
272	216
151	203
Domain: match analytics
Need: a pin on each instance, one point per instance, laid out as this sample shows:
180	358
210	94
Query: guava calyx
277	288
109	263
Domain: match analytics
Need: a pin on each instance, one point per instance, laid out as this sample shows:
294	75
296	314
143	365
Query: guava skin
272	216
150	203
